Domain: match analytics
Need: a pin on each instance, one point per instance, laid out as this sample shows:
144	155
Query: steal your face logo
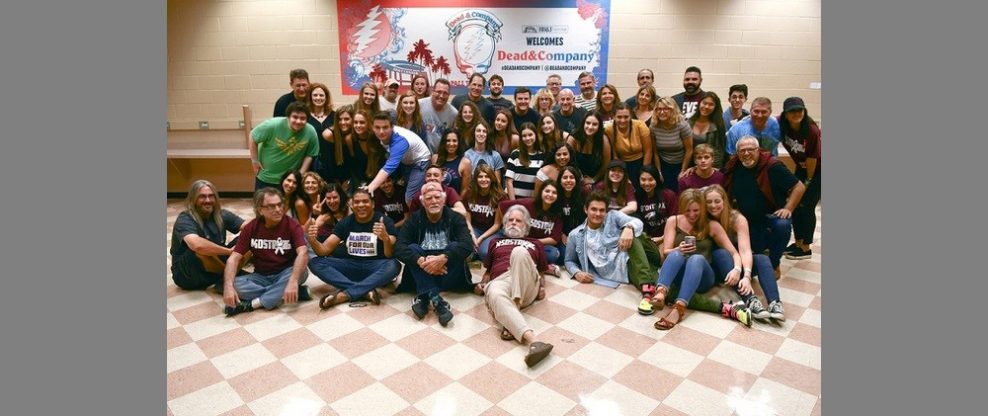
474	34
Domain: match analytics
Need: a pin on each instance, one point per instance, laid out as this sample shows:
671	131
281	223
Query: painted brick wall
226	53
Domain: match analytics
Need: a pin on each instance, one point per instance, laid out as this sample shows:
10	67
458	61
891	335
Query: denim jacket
616	271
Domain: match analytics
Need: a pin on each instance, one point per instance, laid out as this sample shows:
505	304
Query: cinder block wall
226	53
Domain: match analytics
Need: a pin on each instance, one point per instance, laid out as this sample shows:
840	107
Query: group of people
672	195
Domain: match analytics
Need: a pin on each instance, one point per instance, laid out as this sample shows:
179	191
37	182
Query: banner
522	41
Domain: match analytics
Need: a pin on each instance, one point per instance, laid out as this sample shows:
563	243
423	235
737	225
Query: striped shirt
523	177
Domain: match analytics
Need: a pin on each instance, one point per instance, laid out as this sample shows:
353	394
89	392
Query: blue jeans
485	244
553	253
670	174
761	267
416	177
356	277
270	288
693	274
771	233
457	276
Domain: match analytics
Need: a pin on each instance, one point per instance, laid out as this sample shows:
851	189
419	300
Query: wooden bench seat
220	156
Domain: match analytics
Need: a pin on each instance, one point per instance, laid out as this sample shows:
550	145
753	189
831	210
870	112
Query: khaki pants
514	290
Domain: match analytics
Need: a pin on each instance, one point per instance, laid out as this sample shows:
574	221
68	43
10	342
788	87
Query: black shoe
799	254
303	293
241	307
442	310
420	307
792	247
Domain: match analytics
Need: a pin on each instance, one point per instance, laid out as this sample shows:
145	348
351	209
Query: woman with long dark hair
801	138
591	151
645	107
503	134
618	188
550	134
420	86
708	126
321	117
456	168
368	99
607	98
408	114
310	193
573	193
290	181
483	151
558	158
524	164
342	129
482	201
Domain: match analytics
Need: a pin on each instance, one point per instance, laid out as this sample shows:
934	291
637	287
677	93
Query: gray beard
514	232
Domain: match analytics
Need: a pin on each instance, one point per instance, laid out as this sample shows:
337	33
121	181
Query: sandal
664	324
659	298
553	270
374	297
333	298
506	335
536	353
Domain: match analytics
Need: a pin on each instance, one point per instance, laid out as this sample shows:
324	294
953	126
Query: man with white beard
517	264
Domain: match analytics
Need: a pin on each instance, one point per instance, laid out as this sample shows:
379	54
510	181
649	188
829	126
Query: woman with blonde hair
481	200
544	102
673	139
645	106
368	99
409	115
688	246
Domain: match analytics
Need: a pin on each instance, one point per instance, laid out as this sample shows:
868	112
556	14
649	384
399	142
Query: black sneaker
792	247
442	310
241	307
303	293
420	307
799	254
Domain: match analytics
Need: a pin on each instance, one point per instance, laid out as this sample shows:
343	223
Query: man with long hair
199	248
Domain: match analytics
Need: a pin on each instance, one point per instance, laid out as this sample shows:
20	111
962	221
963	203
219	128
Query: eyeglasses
273	206
748	150
644	77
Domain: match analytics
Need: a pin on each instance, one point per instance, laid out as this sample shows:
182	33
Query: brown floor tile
571	380
495	411
818	409
426	342
197	313
291	342
489	343
800	285
262	381
410	411
192	378
220	344
358	342
494	381
311	314
482	314
257	315
626	341
722	377
810	265
794	375
691	340
549	311
755	339
594	290
416	382
564	343
371	314
817	303
177	337
664	410
609	312
648	380
330	384
806	333
240	411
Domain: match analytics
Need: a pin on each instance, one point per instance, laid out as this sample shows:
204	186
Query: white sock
256	303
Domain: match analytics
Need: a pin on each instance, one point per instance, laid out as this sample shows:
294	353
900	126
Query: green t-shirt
279	149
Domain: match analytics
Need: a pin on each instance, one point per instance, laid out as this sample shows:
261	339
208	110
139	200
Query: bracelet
737	269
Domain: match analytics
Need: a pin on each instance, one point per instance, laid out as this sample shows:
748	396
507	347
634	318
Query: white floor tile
574	299
240	361
672	359
534	399
462	326
811	317
769	397
186	300
740	357
453	400
335	327
600	359
184	356
398	327
800	353
709	323
313	361
698	400
615	399
269	328
214	325
295	400
373	400
586	326
209	401
385	361
457	361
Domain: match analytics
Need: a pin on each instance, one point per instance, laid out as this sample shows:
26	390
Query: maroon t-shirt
499	257
629	194
653	211
452	197
800	148
482	214
694	181
274	249
394	206
540	226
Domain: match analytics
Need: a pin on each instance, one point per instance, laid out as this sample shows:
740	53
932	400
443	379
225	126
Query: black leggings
804	216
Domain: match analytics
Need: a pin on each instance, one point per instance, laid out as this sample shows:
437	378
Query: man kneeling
517	264
280	255
364	262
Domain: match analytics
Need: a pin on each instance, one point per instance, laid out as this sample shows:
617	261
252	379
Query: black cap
793	103
617	163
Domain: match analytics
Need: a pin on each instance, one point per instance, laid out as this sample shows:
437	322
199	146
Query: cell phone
690	240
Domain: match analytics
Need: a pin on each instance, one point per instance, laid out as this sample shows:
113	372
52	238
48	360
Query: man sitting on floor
280	255
199	249
516	264
606	250
364	262
434	245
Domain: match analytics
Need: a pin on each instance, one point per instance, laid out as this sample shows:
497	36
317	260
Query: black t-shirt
571	122
185	225
358	241
531	116
751	202
281	106
500	103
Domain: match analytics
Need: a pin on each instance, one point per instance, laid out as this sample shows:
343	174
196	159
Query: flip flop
374	297
536	353
332	299
506	335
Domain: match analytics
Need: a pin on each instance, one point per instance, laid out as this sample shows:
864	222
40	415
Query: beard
514	232
691	88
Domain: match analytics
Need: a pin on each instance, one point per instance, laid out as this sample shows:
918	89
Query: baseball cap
390	82
617	163
793	103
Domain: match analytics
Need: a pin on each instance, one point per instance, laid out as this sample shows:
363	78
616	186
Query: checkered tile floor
379	360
